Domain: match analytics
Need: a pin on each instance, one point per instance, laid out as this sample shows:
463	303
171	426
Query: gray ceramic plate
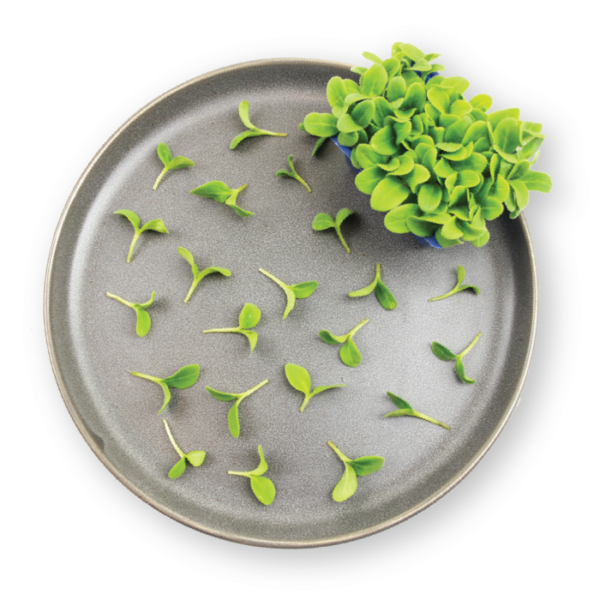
92	339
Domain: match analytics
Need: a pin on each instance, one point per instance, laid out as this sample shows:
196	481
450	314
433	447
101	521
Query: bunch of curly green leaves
436	163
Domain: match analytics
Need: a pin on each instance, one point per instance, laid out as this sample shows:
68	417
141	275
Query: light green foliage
460	273
249	318
293	292
292	173
184	378
384	295
299	378
363	466
324	221
170	162
199	275
349	353
406	410
244	111
233	417
445	354
219	191
195	458
153	225
437	164
262	487
143	317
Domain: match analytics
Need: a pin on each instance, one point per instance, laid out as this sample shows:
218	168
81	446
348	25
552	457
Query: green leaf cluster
219	191
363	466
299	378
195	458
383	294
153	225
292	173
143	317
184	378
460	273
324	221
438	164
199	275
233	418
262	487
244	111
406	410
170	162
249	318
349	353
293	292
445	354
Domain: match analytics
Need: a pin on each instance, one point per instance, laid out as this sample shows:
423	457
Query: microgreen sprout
460	273
384	295
249	317
406	410
363	466
445	354
244	111
170	162
195	458
143	317
318	144
349	353
299	378
293	173
153	225
324	221
198	276
263	488
219	191
182	379
233	419
293	292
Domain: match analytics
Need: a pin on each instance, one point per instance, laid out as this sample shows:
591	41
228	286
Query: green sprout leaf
406	410
262	487
445	354
153	225
324	221
363	466
293	292
383	294
299	379
220	192
143	317
292	173
349	353
195	458
171	163
182	379
249	318
244	112
460	273
233	416
199	275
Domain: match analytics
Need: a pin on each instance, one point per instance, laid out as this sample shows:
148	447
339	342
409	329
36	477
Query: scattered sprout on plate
249	317
445	354
384	295
293	292
299	378
143	317
170	162
233	419
219	191
460	273
153	225
324	221
262	487
244	111
406	410
195	458
349	353
182	379
199	275
293	173
363	466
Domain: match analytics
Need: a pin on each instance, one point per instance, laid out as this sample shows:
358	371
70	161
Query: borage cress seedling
195	458
249	317
219	191
445	354
292	173
143	317
406	410
384	295
182	379
198	276
171	163
293	292
244	111
349	353
460	273
299	378
262	487
153	225
233	419
324	221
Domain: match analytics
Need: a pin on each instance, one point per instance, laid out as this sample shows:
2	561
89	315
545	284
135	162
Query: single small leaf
223	396
388	194
364	292
399	402
347	485
323	221
329	338
184	378
341	216
384	141
346	124
430	196
537	181
196	458
263	488
249	316
366	465
373	81
506	135
143	321
443	353
189	258
246	134
263	466
252	338
460	372
233	420
482	102
244	113
298	377
384	296
321	124
155	225
164	153
217	190
395	220
304	290
178	469
180	163
130	216
349	354
366	181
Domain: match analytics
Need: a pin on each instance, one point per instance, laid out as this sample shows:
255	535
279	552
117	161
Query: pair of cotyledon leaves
293	173
404	409
195	458
445	354
144	321
292	292
170	162
460	274
220	192
248	318
299	378
262	487
244	113
182	379
153	225
383	294
198	274
324	221
349	353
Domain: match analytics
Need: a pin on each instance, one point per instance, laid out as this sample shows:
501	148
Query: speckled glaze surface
92	340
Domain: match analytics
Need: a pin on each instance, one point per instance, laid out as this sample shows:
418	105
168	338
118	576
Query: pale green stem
192	289
426	418
298	178
177	448
162	174
378	271
220	330
246	474
148	377
307	398
271	133
473	343
252	390
274	279
119	299
234	195
357	328
339	234
342	457
133	242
